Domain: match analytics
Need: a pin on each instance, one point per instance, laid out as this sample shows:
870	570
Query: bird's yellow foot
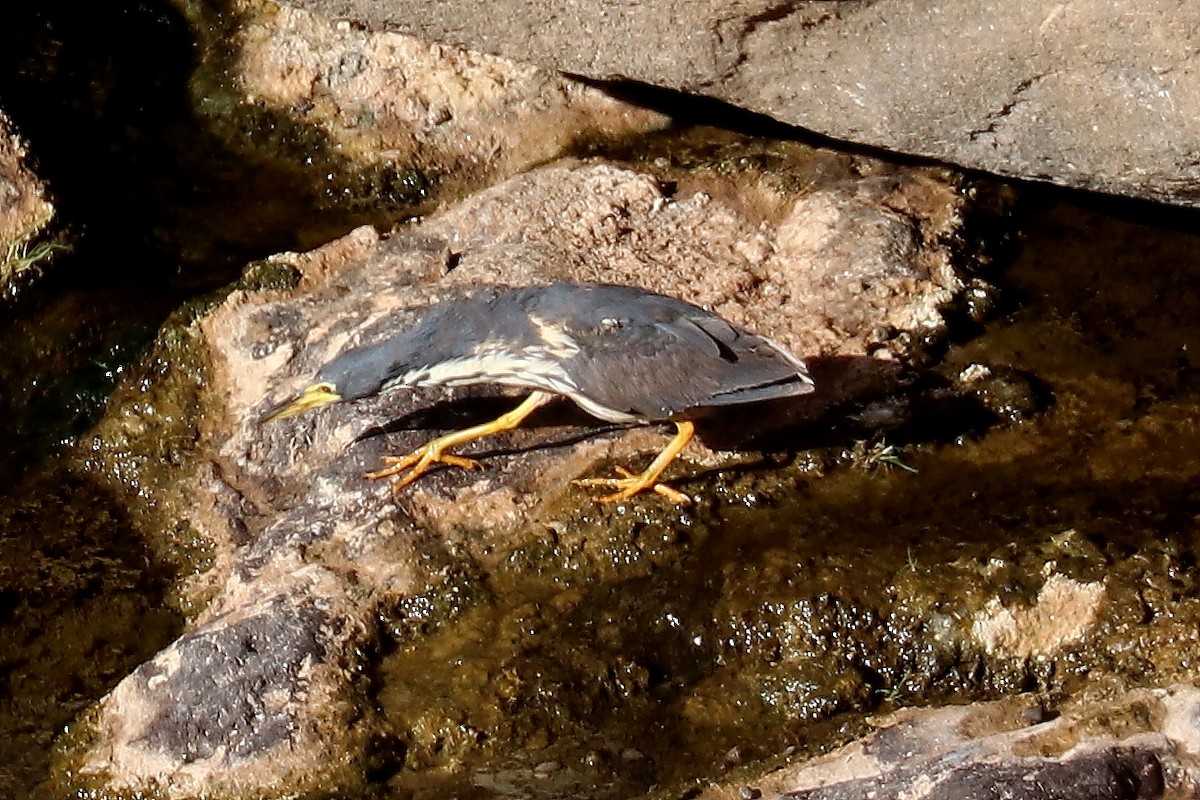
418	462
629	485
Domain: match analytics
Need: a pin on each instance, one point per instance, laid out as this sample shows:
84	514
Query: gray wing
661	358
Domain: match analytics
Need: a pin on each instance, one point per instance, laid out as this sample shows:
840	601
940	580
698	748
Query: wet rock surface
234	692
1092	95
296	527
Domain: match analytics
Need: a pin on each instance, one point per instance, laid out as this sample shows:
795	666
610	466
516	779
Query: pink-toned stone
1061	615
373	99
1141	743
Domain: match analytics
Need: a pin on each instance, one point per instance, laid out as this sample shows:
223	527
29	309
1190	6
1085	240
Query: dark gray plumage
623	354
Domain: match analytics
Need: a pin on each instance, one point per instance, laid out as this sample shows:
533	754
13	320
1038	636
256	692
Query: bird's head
317	395
357	373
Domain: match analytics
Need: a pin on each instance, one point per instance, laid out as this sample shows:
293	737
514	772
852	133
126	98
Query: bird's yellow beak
319	394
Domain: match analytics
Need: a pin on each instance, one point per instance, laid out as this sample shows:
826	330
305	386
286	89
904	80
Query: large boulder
1094	95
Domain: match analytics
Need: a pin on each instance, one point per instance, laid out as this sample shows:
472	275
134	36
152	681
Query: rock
1093	95
25	209
1140	744
374	118
1060	616
305	550
839	262
228	707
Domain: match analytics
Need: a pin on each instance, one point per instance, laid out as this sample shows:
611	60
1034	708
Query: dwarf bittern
622	354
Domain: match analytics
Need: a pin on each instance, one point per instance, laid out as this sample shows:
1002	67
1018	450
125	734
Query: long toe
674	495
459	461
395	465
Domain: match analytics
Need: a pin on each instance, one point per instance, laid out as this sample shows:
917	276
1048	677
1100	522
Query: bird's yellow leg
629	484
418	461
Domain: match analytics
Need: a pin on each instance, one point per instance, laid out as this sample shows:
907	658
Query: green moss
269	274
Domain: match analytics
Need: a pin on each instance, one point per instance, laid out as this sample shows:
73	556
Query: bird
623	354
